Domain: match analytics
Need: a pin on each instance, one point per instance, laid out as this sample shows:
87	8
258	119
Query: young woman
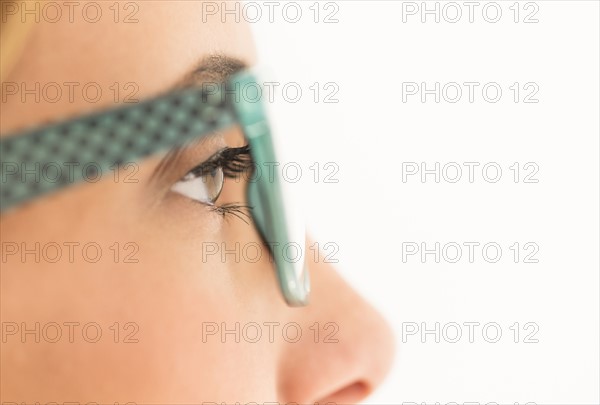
119	287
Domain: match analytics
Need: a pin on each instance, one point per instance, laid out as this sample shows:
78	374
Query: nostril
350	394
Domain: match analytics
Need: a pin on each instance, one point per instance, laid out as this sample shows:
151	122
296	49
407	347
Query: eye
204	182
202	185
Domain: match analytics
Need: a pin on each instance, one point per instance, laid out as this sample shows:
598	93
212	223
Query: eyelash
233	162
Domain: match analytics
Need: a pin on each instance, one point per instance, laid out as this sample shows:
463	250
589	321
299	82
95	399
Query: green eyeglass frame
134	132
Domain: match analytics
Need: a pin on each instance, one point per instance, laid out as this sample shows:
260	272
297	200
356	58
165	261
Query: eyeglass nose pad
294	280
299	280
301	284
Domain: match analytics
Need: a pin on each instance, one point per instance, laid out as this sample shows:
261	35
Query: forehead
73	67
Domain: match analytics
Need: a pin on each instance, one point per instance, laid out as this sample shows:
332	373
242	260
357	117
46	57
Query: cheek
154	316
184	302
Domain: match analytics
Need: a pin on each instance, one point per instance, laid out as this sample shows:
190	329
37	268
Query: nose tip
364	362
348	357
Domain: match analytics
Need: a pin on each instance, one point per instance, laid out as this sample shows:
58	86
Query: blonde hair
13	37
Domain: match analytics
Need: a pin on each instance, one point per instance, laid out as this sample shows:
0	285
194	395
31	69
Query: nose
350	349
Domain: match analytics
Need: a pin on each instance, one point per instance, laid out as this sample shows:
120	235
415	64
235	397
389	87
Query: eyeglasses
112	138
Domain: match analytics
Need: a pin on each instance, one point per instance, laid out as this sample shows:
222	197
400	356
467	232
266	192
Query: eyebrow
211	69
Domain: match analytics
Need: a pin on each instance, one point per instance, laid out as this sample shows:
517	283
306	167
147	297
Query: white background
370	212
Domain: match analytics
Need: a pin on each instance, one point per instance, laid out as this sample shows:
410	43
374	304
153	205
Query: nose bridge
348	350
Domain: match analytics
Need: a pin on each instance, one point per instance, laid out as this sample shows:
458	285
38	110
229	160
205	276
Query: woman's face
181	322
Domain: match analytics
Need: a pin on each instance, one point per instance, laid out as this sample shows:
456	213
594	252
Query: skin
171	294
